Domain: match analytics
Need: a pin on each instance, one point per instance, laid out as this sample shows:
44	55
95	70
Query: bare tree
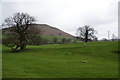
86	33
19	24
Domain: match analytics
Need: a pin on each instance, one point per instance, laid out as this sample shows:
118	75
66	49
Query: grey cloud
68	15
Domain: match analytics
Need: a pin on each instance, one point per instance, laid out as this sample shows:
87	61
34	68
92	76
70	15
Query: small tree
54	39
19	24
63	40
86	33
68	40
45	41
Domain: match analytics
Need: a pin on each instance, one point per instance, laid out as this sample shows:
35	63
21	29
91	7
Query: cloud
68	15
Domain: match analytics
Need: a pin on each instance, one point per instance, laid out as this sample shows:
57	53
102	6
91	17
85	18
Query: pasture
62	61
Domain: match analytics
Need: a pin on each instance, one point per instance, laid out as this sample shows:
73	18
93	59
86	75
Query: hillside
45	30
51	31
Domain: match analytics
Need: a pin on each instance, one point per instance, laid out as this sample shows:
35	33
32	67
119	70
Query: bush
68	40
37	40
63	40
54	39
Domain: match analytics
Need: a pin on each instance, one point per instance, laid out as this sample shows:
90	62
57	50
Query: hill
45	30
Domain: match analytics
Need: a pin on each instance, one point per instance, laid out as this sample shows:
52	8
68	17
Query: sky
68	15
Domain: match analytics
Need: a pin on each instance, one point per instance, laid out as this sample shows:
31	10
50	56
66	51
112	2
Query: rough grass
63	61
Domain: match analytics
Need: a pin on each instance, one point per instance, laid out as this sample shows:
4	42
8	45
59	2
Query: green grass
63	61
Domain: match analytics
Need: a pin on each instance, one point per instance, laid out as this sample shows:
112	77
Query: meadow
62	61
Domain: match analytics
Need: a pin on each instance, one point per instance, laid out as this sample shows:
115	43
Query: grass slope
63	61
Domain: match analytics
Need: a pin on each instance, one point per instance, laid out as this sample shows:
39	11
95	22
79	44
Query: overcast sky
68	15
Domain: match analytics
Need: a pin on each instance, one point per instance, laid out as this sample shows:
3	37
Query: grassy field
63	61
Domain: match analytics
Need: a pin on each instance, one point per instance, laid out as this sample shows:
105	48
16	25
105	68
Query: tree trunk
86	36
16	49
22	42
23	46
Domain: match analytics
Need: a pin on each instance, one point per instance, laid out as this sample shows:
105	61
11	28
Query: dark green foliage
63	40
54	39
37	40
68	40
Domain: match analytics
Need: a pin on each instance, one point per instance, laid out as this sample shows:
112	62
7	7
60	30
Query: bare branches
20	21
19	24
86	32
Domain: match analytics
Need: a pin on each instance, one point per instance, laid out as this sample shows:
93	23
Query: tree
86	33
37	40
54	39
19	24
68	40
63	40
34	35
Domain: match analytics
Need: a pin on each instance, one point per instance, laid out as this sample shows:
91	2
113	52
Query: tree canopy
18	25
86	33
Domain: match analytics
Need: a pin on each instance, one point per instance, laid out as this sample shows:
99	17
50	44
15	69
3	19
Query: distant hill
45	30
51	31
